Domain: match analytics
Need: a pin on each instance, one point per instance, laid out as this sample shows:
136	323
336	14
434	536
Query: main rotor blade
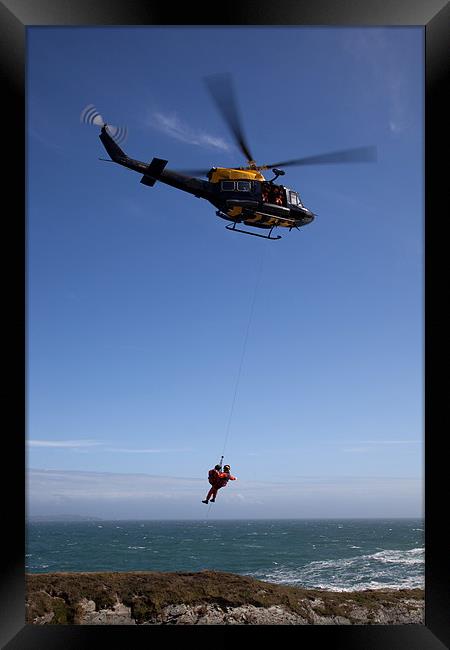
193	172
221	90
204	172
358	154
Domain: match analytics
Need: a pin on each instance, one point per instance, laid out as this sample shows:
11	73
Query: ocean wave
252	546
388	569
297	578
413	556
36	566
136	547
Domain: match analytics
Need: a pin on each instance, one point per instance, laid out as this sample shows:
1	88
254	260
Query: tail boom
153	171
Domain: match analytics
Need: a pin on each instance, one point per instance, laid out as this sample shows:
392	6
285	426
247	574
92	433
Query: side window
243	186
228	185
293	198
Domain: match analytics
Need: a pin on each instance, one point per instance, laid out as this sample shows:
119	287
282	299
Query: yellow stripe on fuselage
256	218
225	174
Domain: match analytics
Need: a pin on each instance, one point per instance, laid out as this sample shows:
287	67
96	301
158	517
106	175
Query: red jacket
223	479
213	476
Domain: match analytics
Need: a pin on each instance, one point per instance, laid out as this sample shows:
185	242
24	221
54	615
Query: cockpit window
243	186
294	199
228	185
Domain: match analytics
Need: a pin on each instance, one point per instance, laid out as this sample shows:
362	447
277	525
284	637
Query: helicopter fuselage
245	196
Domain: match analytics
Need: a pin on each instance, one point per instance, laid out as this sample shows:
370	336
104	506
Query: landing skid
254	234
247	232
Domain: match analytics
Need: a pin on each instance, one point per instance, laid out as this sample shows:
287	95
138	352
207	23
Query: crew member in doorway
278	197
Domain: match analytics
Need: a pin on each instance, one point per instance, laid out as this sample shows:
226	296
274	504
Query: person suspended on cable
218	479
213	478
213	474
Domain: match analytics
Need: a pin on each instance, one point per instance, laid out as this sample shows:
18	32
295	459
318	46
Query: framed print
160	347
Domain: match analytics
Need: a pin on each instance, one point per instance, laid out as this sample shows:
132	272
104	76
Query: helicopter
241	195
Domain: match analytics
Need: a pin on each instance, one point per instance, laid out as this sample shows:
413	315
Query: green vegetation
147	593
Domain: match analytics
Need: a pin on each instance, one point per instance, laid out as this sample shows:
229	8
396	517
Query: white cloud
34	134
372	46
145	451
394	127
391	442
175	128
364	446
63	444
127	496
101	486
83	444
357	450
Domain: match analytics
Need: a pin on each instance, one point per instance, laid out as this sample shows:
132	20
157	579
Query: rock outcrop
207	598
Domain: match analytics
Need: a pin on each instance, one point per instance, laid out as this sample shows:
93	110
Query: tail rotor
90	115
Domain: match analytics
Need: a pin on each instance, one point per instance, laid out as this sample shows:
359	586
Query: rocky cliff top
207	597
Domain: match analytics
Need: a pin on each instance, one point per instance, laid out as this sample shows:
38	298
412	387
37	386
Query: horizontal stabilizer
153	171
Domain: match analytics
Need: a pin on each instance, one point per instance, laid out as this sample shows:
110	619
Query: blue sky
139	300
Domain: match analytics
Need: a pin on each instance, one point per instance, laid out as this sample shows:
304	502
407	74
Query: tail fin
113	149
153	171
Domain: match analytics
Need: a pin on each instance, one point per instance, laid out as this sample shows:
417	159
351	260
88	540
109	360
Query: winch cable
241	362
244	347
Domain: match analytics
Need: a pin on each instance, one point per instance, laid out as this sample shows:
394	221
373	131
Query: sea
333	554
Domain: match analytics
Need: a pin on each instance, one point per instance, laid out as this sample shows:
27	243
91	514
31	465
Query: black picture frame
15	17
